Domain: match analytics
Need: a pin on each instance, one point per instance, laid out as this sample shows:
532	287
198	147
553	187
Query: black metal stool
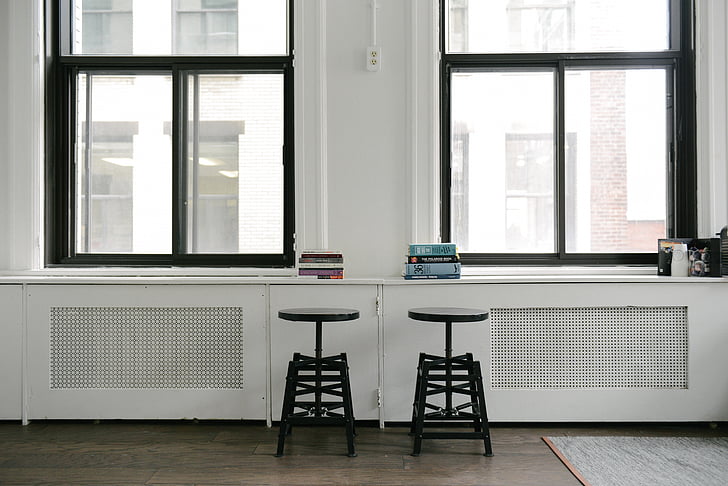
449	375
326	378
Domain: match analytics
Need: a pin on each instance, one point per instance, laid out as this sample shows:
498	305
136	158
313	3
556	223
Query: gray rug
644	461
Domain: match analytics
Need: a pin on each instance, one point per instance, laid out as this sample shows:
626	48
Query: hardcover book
431	268
433	259
433	249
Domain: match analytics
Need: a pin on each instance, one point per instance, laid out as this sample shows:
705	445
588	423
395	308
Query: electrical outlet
374	58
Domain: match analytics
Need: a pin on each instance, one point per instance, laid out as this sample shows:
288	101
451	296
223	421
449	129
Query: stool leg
417	392
448	368
419	411
483	412
347	391
318	373
348	408
474	399
287	409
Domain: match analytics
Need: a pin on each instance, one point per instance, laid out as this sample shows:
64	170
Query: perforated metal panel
140	347
589	347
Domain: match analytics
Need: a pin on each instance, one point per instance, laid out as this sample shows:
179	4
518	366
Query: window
567	129
203	26
170	133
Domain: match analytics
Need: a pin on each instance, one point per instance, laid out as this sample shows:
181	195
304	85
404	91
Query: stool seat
448	377
319	314
318	389
447	314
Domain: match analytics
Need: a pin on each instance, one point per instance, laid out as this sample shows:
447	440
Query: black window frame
60	233
681	220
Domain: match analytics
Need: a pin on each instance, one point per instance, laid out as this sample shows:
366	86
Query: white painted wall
712	88
366	144
22	133
5	195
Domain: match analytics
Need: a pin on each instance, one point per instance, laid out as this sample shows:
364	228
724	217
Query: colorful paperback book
320	265
433	249
432	277
431	268
332	259
321	254
321	271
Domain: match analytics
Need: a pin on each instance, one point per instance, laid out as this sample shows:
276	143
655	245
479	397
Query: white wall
366	142
369	188
21	128
5	195
712	87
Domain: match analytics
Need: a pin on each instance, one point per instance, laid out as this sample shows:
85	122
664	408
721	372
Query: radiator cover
589	347
146	347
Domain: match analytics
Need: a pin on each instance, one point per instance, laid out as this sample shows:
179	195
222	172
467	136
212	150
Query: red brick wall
608	153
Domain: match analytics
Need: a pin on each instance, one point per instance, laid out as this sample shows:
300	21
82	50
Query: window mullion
179	155
671	136
560	193
195	161
88	155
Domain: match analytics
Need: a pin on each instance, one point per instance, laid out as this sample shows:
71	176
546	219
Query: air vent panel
589	347
146	347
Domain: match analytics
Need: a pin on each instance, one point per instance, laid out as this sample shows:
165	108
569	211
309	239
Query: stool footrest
437	389
305	420
459	376
453	435
319	378
432	417
322	379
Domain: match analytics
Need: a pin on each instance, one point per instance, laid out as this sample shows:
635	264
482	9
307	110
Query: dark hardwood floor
211	453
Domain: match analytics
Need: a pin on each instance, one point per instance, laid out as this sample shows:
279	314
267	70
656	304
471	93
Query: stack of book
321	264
436	260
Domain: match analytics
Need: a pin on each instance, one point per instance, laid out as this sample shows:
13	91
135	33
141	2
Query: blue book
433	249
434	276
431	268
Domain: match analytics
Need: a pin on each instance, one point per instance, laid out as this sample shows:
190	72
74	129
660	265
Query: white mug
680	265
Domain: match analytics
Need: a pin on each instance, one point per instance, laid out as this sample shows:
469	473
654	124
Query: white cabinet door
11	344
359	339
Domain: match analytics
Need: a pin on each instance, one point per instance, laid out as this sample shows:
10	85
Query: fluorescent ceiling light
209	162
233	174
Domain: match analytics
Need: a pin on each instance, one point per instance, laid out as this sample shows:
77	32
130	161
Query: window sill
153	272
287	276
525	271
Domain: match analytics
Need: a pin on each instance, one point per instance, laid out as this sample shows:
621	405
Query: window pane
200	32
164	27
123	164
557	25
616	160
235	169
502	161
106	27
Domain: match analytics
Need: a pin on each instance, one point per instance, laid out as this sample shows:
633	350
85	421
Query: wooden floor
187	453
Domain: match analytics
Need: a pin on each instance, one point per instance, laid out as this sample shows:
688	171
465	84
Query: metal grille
589	347
140	347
